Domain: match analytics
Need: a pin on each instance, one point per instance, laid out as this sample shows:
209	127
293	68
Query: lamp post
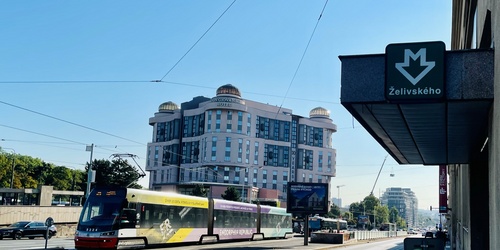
338	194
340	213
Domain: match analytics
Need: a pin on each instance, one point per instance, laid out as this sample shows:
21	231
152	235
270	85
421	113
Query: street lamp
338	201
338	194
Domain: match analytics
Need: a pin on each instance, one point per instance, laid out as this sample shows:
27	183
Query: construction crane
371	193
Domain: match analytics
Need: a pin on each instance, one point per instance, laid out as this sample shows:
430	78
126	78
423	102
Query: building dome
319	112
168	107
228	90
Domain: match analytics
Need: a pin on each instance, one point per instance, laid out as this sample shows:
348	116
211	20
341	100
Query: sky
76	73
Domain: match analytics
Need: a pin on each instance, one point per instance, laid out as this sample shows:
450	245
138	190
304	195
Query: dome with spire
168	107
319	112
228	90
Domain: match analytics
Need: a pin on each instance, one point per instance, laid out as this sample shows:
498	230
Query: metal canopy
449	131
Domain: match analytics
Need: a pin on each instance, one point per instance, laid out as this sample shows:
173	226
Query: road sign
415	71
49	222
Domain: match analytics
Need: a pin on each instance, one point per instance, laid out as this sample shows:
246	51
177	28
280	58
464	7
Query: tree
334	211
370	202
117	172
349	217
381	214
231	194
401	223
24	172
5	169
393	215
199	190
62	178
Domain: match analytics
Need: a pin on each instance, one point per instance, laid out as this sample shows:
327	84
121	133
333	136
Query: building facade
405	201
227	140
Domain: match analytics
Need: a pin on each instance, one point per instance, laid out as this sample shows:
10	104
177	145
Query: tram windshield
102	210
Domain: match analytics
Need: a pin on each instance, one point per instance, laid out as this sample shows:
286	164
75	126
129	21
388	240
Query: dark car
429	235
30	229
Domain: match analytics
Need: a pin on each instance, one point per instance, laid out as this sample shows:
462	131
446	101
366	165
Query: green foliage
334	211
5	169
231	194
401	223
199	190
117	172
370	202
393	215
381	214
32	172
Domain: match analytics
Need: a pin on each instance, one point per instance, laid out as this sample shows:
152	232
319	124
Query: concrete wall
494	163
493	6
11	214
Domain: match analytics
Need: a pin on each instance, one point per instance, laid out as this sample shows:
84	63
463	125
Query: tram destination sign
414	71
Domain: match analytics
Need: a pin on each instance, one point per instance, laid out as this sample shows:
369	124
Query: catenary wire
72	123
301	59
199	39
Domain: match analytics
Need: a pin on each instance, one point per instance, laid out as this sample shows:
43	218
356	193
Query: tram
113	217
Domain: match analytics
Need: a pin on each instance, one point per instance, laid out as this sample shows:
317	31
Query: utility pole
89	171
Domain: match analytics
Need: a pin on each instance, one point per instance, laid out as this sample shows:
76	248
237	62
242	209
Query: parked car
30	229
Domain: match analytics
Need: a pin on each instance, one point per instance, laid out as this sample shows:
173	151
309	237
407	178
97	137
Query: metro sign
414	71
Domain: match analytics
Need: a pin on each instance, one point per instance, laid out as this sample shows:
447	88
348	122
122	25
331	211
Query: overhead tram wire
199	39
57	82
50	136
72	123
54	137
174	83
301	59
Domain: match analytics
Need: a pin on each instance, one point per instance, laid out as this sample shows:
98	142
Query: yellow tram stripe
180	235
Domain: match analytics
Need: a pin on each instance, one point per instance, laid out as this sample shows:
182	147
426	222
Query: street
293	243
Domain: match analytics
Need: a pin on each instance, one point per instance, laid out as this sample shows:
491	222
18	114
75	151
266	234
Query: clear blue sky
91	62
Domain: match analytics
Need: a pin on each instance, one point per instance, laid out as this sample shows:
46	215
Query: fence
368	235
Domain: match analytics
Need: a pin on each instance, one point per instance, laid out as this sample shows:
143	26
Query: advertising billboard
443	190
308	198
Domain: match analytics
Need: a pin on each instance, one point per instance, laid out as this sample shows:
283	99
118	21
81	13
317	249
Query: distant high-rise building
230	141
404	200
337	202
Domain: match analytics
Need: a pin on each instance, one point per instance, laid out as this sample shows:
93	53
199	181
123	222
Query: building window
209	121
156	156
240	122
214	148
256	154
249	123
320	161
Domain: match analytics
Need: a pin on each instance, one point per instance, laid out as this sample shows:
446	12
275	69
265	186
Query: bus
317	223
115	217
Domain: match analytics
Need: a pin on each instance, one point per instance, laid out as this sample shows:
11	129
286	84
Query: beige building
230	141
